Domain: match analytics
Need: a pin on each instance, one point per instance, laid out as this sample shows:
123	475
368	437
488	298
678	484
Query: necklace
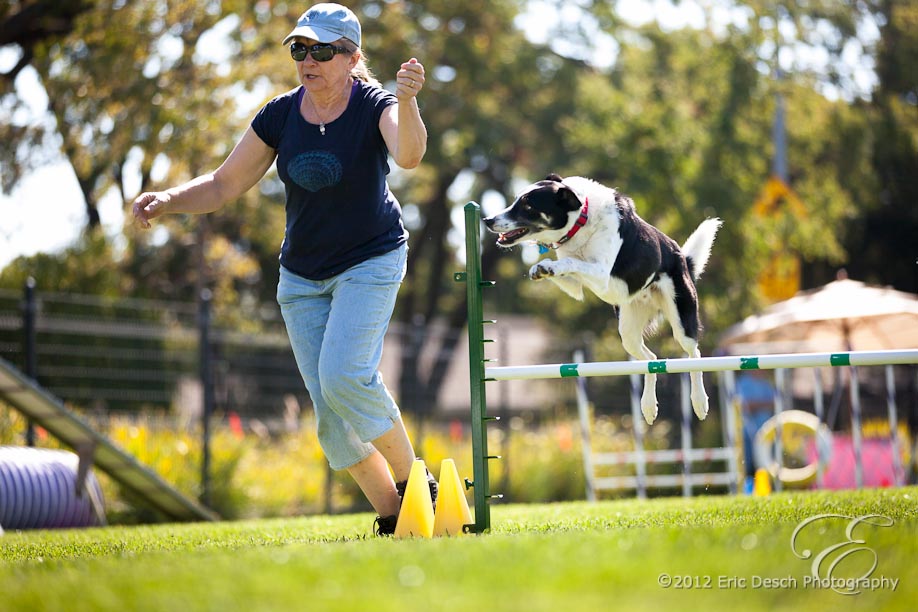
316	109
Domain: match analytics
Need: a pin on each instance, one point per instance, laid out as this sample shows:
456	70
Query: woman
344	250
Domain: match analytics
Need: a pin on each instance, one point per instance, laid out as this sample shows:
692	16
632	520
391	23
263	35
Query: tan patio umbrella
843	315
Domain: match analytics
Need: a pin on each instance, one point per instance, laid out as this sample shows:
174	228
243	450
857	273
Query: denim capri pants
336	328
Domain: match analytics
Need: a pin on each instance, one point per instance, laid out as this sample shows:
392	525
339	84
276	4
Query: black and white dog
603	245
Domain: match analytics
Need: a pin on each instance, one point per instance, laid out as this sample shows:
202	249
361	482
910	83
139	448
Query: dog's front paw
543	269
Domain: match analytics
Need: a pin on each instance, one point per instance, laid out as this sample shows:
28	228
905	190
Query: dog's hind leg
680	307
699	396
633	319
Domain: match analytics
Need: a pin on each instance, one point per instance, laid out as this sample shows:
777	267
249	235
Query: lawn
704	553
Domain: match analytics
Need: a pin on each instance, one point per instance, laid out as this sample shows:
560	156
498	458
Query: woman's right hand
148	206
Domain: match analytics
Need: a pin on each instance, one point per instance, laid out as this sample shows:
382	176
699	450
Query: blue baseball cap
327	22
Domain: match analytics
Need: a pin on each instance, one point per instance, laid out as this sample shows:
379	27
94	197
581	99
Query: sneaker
431	482
385	525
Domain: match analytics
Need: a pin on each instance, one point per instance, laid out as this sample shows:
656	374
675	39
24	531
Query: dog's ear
568	199
553	177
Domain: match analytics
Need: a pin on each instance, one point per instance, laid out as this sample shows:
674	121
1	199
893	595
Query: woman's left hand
409	80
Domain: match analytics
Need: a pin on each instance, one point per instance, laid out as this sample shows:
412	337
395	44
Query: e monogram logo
825	564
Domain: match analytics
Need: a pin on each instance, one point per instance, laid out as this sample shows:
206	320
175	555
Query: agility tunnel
49	411
480	372
43	489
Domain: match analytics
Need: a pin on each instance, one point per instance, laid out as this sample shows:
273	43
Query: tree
882	241
27	25
30	23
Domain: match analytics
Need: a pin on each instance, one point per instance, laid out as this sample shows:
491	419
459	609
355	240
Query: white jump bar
703	364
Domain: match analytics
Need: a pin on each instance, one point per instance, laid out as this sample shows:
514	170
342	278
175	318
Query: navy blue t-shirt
340	211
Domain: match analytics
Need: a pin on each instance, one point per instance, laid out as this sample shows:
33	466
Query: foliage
888	215
86	264
27	25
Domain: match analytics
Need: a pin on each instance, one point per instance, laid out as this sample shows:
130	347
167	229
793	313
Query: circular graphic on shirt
315	170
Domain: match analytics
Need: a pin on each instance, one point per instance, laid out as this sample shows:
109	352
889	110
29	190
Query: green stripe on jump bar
840	359
748	363
656	367
568	370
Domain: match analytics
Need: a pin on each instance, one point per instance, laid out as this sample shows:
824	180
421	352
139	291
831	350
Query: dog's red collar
580	222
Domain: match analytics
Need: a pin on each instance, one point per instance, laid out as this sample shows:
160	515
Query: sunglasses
321	52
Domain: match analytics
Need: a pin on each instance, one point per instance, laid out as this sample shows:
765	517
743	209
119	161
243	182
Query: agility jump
703	364
480	372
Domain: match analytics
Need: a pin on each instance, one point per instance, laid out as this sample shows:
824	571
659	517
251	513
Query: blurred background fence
129	355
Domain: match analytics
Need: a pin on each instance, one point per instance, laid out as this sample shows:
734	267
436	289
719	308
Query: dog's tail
697	248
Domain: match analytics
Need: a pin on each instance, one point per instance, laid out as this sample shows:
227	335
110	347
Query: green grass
566	556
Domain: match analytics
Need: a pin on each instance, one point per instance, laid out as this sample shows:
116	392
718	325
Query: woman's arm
401	124
247	163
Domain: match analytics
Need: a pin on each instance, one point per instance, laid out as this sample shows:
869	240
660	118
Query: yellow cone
761	486
452	507
416	518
